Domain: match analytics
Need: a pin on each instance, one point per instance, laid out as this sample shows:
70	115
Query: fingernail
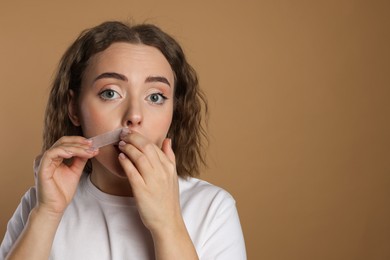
122	156
122	143
91	150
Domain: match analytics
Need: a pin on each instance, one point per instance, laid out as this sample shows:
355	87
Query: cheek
156	126
93	122
162	127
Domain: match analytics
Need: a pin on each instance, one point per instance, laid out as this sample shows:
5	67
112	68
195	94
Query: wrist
42	214
173	230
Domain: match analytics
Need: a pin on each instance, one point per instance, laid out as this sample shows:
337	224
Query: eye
157	98
109	94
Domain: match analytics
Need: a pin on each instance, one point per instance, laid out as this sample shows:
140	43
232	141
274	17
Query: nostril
133	122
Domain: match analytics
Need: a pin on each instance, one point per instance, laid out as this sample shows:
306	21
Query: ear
73	109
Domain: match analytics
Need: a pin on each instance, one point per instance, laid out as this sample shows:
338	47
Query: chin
108	162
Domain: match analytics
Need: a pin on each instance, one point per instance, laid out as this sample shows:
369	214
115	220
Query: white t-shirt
97	225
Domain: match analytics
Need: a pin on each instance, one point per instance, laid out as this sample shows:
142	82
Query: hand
152	174
57	181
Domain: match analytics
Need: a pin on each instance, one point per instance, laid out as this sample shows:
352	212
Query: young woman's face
127	85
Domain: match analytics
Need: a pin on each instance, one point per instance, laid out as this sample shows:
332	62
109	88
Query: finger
71	146
142	144
72	139
54	157
78	151
131	171
84	146
167	156
167	149
78	166
138	159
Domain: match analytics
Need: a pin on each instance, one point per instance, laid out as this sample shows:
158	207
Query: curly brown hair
187	130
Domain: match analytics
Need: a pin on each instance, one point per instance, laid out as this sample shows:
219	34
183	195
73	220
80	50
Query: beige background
299	95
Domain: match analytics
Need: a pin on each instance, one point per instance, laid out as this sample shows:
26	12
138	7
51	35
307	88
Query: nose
133	115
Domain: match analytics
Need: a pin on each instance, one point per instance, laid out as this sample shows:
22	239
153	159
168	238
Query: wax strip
106	138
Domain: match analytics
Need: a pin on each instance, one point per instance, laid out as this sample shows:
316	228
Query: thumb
167	149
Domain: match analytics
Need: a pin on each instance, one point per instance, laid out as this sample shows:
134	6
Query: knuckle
140	159
148	147
171	170
59	142
49	152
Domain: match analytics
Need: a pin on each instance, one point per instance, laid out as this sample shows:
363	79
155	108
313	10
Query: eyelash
108	90
160	95
148	97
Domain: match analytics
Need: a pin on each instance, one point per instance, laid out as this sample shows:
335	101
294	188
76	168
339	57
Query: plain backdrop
299	98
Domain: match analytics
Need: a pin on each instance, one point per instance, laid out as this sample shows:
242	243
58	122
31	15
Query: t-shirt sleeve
224	238
17	222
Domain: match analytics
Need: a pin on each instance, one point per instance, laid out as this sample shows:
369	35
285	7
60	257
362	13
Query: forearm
37	237
174	243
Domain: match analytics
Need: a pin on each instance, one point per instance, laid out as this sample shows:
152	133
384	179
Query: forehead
129	59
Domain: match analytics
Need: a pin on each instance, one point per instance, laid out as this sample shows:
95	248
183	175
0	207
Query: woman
136	199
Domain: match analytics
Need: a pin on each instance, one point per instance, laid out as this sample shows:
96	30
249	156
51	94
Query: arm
36	239
173	243
153	178
57	184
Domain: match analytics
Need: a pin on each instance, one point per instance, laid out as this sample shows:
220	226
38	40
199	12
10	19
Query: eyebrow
157	79
112	75
122	77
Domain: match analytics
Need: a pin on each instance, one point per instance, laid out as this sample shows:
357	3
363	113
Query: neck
109	182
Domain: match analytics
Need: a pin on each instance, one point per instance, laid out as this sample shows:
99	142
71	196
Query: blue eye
109	94
157	98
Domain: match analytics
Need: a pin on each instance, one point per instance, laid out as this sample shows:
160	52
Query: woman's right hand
57	181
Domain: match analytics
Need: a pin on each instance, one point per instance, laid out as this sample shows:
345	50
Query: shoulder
195	186
212	220
205	194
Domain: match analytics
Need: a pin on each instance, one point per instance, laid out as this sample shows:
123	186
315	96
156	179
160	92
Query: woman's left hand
153	178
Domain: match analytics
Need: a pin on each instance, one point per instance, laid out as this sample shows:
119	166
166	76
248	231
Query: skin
129	86
110	101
